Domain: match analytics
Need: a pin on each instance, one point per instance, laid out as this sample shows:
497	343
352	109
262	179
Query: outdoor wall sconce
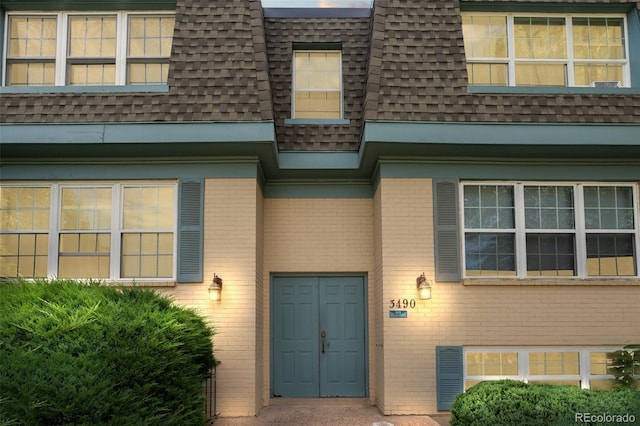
424	289
215	289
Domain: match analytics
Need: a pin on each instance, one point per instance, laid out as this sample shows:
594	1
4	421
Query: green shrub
77	354
507	402
624	365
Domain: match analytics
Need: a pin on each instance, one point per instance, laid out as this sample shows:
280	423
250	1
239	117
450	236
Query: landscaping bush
89	354
624	365
507	402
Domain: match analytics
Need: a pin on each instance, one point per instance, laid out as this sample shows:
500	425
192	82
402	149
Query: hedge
90	354
507	402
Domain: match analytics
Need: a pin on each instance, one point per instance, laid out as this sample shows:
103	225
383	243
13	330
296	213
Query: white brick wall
390	239
232	249
318	236
507	313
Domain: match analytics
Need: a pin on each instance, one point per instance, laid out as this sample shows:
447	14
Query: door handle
323	335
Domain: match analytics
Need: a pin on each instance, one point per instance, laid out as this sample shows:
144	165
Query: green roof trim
144	132
542	7
99	5
388	148
555	90
134	88
517	134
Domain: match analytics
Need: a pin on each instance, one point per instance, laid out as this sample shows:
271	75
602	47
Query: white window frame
569	61
293	82
584	363
62	41
579	231
116	230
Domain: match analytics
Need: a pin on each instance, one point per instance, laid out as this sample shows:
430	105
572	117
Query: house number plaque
402	303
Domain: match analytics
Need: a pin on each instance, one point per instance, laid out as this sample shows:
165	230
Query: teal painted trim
190	242
318	160
502	133
49	5
115	171
510	170
318	190
138	88
449	375
542	7
556	90
115	133
2	70
316	121
633	22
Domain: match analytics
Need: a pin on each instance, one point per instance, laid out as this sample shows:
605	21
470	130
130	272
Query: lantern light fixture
424	289
215	289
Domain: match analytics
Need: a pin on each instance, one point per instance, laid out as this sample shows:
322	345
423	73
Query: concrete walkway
328	412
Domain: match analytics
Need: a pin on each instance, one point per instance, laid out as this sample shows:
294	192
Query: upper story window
88	49
317	84
543	229
546	50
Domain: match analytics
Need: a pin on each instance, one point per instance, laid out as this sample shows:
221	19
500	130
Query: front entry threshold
320	402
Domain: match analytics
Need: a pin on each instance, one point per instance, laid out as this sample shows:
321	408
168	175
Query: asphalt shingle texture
406	63
217	71
417	63
353	35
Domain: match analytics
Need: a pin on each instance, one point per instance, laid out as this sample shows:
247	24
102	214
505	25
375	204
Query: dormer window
546	50
317	84
88	49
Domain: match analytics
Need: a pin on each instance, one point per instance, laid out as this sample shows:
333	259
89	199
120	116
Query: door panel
302	308
342	367
295	363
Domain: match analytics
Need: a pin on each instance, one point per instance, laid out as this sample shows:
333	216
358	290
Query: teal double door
318	336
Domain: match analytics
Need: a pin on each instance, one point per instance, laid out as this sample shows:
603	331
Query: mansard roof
402	61
417	68
218	72
352	35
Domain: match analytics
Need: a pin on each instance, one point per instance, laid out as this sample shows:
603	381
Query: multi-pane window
610	222
84	243
102	231
88	49
582	367
555	50
147	231
148	49
554	367
541	229
91	54
31	50
317	84
24	231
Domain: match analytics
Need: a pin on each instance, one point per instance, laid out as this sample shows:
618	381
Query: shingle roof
417	63
218	71
406	62
353	35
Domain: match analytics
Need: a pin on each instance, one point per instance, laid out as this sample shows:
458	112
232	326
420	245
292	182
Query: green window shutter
447	239
449	376
190	230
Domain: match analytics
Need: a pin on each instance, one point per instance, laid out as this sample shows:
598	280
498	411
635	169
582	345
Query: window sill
138	88
552	281
142	283
554	90
316	121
